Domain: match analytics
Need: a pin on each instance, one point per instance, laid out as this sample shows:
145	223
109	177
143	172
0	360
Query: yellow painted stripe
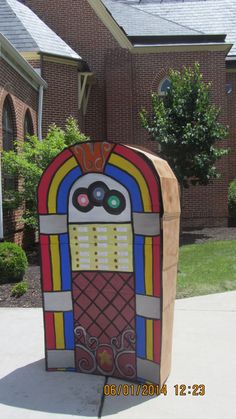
149	339
59	176
59	330
56	266
148	266
133	171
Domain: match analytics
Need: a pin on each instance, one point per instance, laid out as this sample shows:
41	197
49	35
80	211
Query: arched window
164	86
9	182
28	125
7	126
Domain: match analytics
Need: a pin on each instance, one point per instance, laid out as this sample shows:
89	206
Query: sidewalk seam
102	399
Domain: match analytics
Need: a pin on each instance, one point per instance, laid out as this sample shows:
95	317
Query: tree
28	161
186	125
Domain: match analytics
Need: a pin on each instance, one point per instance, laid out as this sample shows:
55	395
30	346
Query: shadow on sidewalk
31	387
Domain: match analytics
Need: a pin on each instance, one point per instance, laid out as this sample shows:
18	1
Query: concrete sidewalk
204	350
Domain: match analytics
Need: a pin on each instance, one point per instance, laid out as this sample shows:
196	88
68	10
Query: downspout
1	212
40	113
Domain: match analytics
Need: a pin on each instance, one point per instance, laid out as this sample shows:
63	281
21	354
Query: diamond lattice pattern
104	303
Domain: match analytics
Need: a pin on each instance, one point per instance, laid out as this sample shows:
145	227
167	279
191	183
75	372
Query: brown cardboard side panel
162	167
166	342
170	242
169	184
170	196
169	279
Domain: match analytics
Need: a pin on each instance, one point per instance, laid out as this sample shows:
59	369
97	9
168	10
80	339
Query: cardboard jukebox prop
109	231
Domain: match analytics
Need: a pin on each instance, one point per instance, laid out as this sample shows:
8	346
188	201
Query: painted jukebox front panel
99	207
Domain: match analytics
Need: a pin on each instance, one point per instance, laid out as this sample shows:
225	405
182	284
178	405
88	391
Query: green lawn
207	268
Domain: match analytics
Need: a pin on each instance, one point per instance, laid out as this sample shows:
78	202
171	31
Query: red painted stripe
46	262
50	330
156	340
156	255
145	169
46	179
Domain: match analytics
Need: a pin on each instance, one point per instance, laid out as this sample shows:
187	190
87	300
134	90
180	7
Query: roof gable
137	22
208	16
20	65
27	32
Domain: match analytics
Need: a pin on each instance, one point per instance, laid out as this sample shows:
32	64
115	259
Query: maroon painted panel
104	313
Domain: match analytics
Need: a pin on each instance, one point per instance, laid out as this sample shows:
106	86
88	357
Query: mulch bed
33	297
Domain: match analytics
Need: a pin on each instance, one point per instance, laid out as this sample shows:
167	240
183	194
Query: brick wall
201	205
130	81
61	96
123	88
78	25
22	97
231	99
119	96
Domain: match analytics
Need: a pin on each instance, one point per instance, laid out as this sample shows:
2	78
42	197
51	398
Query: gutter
40	113
159	48
62	56
177	39
16	61
230	62
26	71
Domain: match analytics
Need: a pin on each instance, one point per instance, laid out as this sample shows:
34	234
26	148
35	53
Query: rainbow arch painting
109	223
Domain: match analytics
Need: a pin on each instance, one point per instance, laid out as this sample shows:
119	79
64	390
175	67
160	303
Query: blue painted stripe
141	337
129	183
139	264
69	330
65	261
64	189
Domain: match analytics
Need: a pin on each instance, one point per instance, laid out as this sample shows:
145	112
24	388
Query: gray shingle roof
23	67
137	22
27	32
208	16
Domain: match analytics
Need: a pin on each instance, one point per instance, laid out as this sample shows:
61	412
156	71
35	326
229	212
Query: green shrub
232	202
13	262
19	289
28	163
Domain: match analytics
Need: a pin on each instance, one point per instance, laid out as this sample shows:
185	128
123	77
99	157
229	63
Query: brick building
47	57
127	48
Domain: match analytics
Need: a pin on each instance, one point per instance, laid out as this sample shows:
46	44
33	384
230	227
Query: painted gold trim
28	55
110	23
9	54
59	60
155	49
85	79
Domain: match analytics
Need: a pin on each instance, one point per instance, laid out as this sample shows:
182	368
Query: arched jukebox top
109	230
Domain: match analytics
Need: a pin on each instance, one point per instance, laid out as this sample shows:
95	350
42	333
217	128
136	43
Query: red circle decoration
83	200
